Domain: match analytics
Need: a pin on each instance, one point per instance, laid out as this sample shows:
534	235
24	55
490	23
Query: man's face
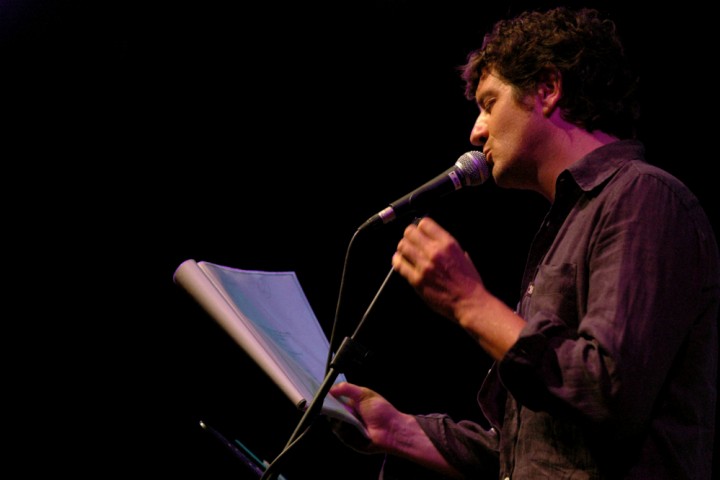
508	131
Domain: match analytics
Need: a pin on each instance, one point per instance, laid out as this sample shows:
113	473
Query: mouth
488	157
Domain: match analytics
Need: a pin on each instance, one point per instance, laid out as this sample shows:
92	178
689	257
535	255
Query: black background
140	134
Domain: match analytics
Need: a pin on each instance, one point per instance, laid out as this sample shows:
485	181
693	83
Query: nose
479	132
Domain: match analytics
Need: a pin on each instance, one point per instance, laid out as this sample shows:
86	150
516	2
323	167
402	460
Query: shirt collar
597	166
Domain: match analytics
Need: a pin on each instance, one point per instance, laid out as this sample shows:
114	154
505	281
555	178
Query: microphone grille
474	167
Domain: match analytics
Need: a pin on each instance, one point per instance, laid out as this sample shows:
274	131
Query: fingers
346	389
412	253
348	393
428	226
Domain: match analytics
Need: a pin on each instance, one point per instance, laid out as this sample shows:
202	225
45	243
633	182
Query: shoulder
639	179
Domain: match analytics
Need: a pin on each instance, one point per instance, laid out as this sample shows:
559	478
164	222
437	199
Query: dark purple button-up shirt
614	375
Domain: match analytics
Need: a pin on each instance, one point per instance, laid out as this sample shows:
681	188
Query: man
607	367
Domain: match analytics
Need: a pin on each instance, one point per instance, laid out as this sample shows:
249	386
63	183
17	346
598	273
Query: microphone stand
348	352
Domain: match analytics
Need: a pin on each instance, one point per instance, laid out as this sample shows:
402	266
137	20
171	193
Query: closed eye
487	105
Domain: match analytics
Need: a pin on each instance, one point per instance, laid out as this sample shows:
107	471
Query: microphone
470	169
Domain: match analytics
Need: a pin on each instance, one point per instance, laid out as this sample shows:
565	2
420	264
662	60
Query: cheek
509	138
502	129
512	127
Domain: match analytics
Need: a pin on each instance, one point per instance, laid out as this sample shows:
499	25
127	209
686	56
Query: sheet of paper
269	315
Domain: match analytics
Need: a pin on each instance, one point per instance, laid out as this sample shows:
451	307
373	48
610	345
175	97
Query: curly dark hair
599	86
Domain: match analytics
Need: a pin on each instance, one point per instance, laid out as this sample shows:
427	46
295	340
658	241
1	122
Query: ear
549	90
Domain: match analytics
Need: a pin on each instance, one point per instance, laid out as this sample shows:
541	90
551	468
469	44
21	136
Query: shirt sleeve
466	445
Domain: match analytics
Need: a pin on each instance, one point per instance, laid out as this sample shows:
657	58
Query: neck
569	147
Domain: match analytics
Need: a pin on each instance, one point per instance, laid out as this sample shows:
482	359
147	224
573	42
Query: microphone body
469	170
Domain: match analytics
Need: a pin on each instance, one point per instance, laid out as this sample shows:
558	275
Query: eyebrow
483	96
